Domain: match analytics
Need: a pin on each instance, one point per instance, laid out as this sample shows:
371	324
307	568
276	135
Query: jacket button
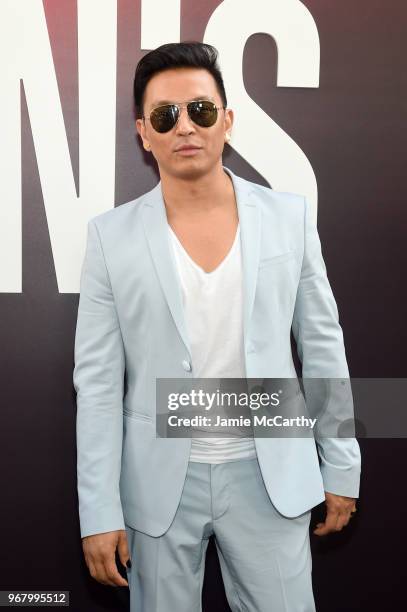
186	365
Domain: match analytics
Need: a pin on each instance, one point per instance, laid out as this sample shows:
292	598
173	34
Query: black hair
176	55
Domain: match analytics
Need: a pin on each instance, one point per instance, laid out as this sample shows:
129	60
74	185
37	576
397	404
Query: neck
196	194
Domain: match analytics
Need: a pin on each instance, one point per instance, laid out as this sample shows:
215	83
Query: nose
184	125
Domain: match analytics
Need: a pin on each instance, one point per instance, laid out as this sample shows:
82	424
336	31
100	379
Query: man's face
183	85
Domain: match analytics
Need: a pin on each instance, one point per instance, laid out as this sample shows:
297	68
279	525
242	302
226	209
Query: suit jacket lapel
250	234
156	230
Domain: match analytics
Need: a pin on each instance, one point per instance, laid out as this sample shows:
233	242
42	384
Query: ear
228	119
141	129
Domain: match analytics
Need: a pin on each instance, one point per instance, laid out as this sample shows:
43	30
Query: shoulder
271	201
271	196
120	216
118	213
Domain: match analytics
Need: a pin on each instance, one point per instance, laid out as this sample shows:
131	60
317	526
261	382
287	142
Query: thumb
123	548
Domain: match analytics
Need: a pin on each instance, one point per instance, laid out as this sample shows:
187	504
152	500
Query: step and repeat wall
318	91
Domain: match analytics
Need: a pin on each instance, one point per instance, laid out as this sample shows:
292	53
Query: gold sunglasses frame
180	106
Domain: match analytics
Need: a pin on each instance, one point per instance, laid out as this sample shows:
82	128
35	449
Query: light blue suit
131	329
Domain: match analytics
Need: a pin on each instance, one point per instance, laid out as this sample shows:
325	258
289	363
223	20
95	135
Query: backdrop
319	94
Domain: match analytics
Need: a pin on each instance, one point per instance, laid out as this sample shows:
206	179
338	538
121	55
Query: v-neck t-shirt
213	309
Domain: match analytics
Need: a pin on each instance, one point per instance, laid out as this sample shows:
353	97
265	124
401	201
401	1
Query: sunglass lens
203	112
164	118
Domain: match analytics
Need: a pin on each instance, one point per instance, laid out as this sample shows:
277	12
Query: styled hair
185	54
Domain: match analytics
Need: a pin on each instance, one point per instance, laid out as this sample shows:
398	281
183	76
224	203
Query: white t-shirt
213	309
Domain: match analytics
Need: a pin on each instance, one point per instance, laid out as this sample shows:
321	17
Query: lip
186	147
188	150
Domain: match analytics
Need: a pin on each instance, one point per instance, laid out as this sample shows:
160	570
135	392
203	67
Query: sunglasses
202	112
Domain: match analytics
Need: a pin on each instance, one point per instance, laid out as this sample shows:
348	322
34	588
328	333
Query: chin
190	167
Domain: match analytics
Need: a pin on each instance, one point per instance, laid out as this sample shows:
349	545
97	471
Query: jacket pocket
137	416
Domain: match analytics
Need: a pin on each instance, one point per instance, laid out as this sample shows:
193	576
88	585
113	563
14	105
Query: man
203	276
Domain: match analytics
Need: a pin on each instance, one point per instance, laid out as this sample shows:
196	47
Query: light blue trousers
265	558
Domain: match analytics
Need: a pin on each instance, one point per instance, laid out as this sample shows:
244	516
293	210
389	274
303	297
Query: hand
100	549
339	512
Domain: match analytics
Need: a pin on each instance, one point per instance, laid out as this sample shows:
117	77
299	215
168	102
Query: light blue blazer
131	329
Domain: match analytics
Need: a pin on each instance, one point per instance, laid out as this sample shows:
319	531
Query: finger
320	529
92	569
101	575
112	573
329	524
343	519
123	549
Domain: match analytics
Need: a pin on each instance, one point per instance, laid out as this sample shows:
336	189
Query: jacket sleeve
320	347
98	379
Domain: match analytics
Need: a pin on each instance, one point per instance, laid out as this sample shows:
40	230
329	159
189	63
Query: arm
321	350
98	379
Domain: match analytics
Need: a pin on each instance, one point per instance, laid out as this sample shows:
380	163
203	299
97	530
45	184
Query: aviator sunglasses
202	112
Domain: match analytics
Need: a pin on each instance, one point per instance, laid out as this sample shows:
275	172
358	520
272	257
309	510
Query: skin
99	551
339	512
201	209
198	194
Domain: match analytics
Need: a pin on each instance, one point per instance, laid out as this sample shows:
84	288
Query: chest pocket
277	259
